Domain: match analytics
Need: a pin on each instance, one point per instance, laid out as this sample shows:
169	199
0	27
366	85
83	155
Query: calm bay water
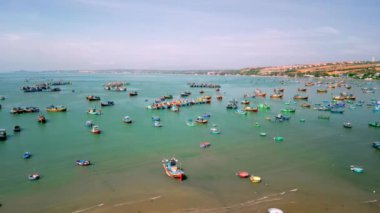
307	172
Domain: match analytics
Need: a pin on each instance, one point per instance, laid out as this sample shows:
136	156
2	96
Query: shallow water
307	172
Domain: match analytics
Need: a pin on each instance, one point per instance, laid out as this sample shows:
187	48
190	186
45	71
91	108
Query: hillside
352	69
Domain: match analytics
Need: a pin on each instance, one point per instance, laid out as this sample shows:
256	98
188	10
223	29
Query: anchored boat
172	169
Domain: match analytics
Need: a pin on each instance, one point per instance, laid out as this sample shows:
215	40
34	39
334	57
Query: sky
184	34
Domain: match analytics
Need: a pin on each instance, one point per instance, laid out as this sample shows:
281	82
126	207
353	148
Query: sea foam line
138	201
89	208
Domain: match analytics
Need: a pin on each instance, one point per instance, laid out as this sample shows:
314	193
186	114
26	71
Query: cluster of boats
21	110
43	87
116	86
202	85
159	104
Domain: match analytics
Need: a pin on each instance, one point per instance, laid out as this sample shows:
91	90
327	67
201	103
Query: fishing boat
278	90
34	176
83	162
251	109
89	123
259	93
301	89
306	105
281	117
41	119
300	97
308	84
338	98
245	102
95	129
255	179
215	130
276	95
93	98
108	103
3	135
94	111
172	169
133	93
376	145
53	108
157	124
356	169
205	145
289	110
127	120
219	97
16	128
321	90
278	139
26	155
201	120
347	125
242	174
374	124
167	97
263	134
156	118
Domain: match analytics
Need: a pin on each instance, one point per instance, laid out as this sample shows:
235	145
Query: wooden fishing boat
53	108
301	89
219	97
306	105
201	120
95	129
172	169
255	179
245	102
276	95
242	174
321	90
204	145
41	119
300	97
93	98
251	109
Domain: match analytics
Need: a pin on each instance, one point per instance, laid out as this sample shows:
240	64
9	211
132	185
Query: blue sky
180	34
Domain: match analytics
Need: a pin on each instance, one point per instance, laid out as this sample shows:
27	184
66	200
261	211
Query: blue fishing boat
26	155
156	118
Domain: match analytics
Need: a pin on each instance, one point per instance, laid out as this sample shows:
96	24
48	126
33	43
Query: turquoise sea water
307	172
